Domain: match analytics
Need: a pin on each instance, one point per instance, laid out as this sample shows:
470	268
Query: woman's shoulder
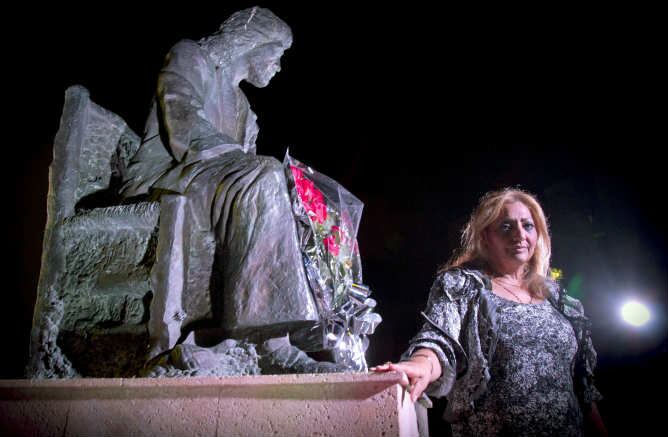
568	305
460	282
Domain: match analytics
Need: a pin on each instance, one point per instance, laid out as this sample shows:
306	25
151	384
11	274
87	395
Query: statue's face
263	63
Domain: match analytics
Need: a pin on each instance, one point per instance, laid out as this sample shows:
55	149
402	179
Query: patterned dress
530	392
508	369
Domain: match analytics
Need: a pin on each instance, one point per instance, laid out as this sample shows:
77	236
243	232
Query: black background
418	112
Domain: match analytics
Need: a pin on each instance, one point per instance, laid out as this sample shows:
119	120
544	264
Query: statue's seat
94	287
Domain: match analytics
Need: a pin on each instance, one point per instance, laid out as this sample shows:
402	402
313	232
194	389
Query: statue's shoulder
190	61
459	282
187	50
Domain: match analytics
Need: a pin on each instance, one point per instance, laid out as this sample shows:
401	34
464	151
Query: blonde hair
472	251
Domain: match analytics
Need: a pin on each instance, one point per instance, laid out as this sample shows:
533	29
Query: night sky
417	112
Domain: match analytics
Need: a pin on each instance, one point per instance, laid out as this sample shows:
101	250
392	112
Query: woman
501	340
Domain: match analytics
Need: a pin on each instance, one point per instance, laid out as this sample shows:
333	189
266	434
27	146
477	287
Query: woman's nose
518	234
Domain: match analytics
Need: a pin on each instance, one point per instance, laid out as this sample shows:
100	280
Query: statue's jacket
460	327
187	123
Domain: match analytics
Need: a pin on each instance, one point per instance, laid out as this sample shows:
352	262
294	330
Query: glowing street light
635	313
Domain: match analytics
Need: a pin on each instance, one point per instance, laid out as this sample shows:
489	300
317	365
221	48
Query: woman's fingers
414	376
419	386
385	367
405	380
391	367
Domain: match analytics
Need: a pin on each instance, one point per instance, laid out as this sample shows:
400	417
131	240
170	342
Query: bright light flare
635	313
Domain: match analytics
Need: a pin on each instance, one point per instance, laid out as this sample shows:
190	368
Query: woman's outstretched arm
418	371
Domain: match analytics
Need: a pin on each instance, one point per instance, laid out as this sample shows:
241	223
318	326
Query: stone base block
270	405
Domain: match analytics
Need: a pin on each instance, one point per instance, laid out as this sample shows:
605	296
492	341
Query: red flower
297	173
311	197
318	211
341	235
331	245
305	189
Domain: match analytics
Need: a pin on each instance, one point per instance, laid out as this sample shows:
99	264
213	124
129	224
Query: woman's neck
514	277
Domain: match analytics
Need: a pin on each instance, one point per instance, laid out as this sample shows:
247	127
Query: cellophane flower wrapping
328	218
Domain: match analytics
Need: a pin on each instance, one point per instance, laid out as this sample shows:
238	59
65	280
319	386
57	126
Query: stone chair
121	280
95	283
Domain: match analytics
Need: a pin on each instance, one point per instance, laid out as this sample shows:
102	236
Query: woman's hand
422	368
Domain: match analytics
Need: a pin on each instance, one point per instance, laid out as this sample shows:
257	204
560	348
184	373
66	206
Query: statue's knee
272	173
271	164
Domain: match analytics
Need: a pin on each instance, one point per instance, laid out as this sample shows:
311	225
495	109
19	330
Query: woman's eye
528	226
505	227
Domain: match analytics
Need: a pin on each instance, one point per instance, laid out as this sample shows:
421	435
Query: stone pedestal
271	405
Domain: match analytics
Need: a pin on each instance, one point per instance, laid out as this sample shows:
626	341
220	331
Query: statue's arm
182	89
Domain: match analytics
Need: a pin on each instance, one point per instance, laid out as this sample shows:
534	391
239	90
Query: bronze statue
223	259
198	152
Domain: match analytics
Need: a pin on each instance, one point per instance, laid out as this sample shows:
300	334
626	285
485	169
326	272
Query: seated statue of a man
198	157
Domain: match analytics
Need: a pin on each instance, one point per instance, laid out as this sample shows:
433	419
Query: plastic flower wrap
328	217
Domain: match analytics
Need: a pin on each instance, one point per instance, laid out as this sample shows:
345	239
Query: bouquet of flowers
328	217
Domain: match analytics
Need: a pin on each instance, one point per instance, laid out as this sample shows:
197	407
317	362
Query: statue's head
255	34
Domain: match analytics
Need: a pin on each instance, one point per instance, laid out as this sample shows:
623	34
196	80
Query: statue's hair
473	252
245	30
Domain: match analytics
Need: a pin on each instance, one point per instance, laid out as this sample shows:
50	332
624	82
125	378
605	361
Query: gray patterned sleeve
585	362
440	331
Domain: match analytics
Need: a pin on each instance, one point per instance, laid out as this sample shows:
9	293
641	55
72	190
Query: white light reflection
635	313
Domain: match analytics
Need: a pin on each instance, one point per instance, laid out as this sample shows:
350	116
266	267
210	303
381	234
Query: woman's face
263	63
511	239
